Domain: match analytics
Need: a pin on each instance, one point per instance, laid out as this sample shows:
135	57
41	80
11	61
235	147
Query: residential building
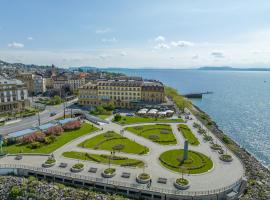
13	96
35	83
127	93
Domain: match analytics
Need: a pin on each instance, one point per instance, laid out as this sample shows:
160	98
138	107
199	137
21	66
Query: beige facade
13	96
122	93
35	83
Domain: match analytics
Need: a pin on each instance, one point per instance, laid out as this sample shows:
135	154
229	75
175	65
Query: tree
117	117
57	99
72	125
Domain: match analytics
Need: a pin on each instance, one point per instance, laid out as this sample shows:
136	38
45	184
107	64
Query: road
32	121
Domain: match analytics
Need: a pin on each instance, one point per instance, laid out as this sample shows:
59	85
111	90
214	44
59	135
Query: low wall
135	191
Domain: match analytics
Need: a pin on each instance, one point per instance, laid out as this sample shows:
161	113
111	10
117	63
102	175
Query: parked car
129	114
52	114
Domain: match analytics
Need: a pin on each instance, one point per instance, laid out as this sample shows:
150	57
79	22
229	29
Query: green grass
102	158
110	140
159	133
188	135
60	141
136	119
195	164
103	116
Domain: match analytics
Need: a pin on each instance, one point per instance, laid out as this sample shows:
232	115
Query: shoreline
258	175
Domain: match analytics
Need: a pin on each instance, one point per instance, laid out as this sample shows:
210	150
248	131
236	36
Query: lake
240	103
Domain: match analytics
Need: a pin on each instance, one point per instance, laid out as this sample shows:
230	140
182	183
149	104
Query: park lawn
103	116
61	140
136	119
159	133
188	135
107	141
195	164
103	158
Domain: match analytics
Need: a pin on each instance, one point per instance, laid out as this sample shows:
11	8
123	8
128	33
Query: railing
121	183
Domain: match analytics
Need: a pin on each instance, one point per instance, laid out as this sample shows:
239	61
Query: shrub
39	136
34	145
55	130
118	147
78	166
109	170
182	181
117	117
226	139
72	125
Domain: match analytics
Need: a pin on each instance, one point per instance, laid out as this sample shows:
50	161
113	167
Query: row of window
120	88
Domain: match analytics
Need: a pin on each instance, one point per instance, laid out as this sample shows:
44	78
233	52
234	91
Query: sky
136	34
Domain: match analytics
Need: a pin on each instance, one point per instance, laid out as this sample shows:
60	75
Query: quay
136	191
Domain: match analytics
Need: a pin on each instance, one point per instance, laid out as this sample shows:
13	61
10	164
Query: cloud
15	45
103	31
123	53
217	54
30	38
162	46
160	39
195	57
105	40
182	43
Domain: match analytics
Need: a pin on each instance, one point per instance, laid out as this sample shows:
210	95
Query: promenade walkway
221	175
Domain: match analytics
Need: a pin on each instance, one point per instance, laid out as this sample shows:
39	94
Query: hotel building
13	96
122	93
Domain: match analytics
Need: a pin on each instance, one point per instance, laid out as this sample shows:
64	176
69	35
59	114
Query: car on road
52	114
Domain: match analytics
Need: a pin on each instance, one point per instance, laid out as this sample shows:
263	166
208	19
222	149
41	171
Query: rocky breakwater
19	188
258	176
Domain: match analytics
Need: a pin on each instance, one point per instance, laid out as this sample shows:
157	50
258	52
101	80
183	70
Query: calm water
240	103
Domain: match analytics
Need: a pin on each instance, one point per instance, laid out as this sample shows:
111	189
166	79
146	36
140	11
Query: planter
143	178
49	162
47	165
108	173
226	158
181	184
77	168
216	147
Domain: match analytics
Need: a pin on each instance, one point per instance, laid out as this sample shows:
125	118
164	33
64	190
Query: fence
121	183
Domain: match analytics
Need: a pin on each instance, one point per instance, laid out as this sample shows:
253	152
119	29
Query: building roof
46	126
63	121
21	133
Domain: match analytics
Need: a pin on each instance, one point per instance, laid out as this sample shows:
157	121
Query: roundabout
196	163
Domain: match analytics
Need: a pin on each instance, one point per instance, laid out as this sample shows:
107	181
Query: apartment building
128	93
13	96
35	83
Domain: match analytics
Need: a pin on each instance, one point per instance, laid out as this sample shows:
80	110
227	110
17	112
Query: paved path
222	175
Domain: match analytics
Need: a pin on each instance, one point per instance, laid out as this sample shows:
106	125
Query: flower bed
181	183
226	158
77	167
143	178
109	172
49	162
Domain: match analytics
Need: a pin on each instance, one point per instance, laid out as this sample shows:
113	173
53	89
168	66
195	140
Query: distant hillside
225	68
22	66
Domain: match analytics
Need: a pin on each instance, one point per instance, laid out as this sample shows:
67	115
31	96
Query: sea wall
258	185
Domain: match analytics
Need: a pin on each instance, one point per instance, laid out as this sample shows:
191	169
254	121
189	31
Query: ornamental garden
117	146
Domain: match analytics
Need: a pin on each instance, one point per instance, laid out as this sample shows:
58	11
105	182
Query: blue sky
125	33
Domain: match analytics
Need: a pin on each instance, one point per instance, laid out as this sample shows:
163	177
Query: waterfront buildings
123	93
13	96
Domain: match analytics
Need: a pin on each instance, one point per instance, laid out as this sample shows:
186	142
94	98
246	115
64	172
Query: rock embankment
258	186
19	188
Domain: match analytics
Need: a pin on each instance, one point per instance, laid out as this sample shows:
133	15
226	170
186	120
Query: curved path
221	175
